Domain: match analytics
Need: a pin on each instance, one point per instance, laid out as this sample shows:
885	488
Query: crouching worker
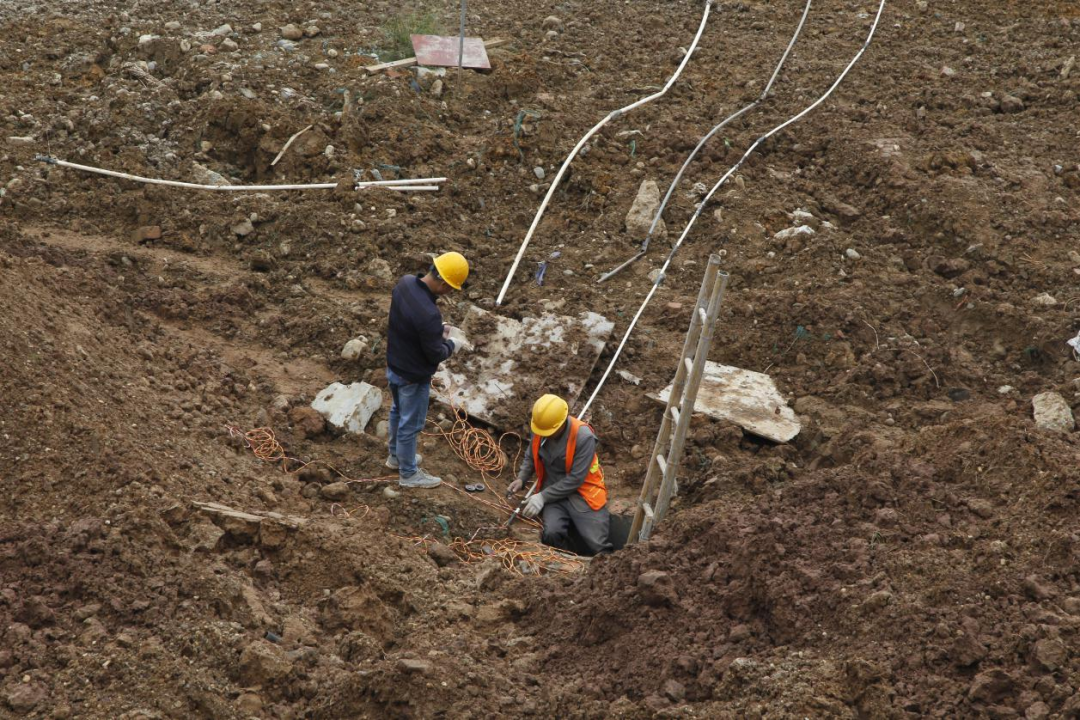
570	496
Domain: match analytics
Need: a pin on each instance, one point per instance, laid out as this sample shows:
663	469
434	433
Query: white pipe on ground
724	123
581	143
704	202
402	185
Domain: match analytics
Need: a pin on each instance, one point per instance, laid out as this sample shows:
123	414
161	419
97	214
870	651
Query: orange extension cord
518	556
264	444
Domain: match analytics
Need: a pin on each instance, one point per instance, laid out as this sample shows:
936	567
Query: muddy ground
914	552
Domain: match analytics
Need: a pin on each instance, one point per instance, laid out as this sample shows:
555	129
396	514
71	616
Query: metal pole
461	43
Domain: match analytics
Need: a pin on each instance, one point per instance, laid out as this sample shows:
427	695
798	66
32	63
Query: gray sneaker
420	479
392	461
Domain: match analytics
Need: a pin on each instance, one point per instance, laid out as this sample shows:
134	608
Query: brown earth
914	552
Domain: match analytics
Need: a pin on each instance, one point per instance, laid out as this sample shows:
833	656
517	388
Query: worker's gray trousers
570	524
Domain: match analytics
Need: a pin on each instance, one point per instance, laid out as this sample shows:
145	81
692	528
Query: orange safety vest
593	489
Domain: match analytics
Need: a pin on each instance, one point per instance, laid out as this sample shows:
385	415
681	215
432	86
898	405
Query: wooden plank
406	62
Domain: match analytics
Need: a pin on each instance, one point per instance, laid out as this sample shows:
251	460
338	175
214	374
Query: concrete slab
747	398
442	51
514	362
348	407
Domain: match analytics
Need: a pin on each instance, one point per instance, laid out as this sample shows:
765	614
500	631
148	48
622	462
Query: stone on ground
354	349
1052	412
348	407
642	212
744	397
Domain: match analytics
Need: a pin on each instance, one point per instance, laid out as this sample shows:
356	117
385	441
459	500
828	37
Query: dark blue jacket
414	336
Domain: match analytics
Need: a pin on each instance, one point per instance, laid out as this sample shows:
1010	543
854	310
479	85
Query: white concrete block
747	398
348	407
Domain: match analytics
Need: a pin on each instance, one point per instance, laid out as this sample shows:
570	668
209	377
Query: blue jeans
408	413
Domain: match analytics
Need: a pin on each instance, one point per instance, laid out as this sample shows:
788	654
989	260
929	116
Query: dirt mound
905	582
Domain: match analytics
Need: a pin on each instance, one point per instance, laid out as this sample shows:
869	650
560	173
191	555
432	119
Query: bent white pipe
704	202
581	143
725	122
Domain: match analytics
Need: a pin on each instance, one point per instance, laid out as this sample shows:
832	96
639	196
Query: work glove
515	487
533	506
457	337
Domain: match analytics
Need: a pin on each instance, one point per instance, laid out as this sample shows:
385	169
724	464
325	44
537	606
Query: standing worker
570	489
416	342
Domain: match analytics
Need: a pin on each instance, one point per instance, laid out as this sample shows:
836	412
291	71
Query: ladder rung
661	462
703	316
689	364
648	510
675	413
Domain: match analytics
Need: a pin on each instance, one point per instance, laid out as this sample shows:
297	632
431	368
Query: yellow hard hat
453	268
548	415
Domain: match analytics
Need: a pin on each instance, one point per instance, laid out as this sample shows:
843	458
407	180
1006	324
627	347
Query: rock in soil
335	491
1052	412
262	663
643	211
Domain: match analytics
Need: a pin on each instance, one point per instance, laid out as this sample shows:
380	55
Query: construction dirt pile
904	262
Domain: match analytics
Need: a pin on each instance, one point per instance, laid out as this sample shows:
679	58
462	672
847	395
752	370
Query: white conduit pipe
403	185
730	118
581	143
716	187
678	177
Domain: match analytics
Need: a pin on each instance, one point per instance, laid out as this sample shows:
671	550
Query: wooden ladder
670	441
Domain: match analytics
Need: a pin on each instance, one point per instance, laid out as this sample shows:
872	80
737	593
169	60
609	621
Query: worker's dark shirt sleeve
436	348
558	486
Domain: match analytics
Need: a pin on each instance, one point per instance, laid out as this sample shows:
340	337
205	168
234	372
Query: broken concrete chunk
354	349
205	176
487	383
803	218
1052	412
243	228
748	399
348	407
642	212
788	233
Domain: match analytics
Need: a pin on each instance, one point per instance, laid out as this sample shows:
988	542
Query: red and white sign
442	51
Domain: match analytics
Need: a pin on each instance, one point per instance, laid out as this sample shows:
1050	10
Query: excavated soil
913	552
